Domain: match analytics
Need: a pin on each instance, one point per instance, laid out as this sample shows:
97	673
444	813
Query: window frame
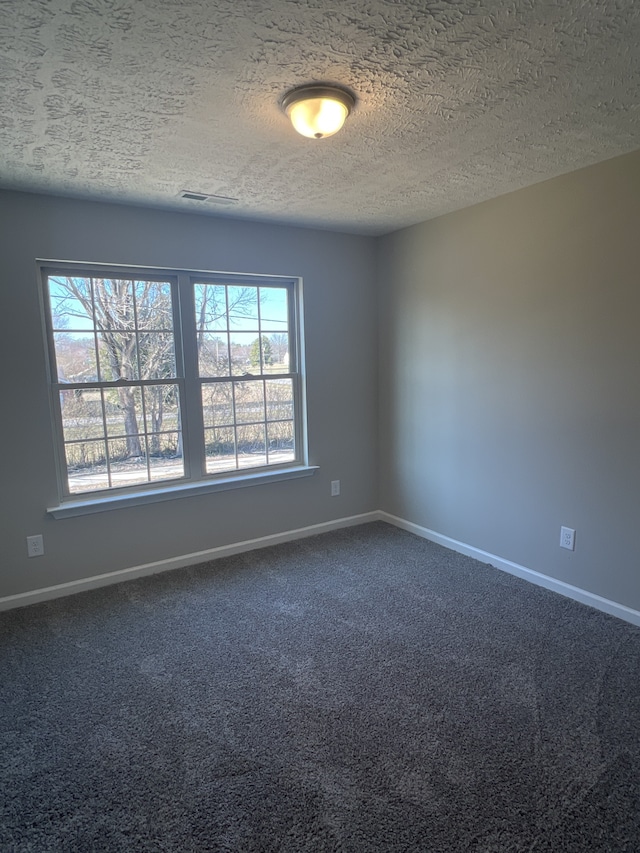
196	479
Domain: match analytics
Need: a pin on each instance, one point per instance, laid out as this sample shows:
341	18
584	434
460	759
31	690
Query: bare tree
219	309
279	346
133	322
133	325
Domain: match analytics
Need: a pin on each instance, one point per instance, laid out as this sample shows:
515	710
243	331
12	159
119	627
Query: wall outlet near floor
35	545
568	538
335	488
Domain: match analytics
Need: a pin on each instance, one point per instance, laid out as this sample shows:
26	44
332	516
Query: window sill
88	506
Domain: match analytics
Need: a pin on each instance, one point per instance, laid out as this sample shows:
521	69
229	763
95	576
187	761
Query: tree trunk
157	415
128	405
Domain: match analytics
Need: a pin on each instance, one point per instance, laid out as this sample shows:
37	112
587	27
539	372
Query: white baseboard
569	591
59	590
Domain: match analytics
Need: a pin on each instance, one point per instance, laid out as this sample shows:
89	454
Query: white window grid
186	380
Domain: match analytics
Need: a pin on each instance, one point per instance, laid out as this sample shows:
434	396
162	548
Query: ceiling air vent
212	199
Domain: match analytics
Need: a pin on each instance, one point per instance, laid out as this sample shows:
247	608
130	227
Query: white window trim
111	501
70	505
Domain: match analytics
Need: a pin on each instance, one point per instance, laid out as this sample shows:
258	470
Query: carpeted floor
362	690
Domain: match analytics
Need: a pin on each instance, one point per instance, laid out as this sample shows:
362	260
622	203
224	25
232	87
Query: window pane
279	399
165	456
245	353
85	455
75	357
127	459
127	445
123	409
71	303
274	311
211	307
162	408
213	354
281	442
217	404
243	308
275	350
87	466
114	306
157	355
220	450
260	355
251	446
118	356
81	414
249	400
115	309
128	453
280	352
153	305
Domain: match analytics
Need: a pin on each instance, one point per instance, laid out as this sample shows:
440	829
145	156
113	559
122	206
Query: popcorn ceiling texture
457	101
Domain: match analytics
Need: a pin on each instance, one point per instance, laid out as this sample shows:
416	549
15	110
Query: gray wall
510	376
340	330
508	390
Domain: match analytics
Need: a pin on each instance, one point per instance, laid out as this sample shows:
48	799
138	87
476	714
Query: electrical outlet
35	545
568	538
335	488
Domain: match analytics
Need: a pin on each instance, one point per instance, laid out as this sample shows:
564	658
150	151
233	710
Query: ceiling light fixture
319	110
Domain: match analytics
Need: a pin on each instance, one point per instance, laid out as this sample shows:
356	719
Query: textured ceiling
136	100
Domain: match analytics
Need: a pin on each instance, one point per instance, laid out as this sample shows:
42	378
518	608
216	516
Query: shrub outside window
164	377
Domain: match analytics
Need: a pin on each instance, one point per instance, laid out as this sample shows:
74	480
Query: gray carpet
362	690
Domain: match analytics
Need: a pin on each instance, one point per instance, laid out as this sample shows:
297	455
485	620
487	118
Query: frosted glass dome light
318	111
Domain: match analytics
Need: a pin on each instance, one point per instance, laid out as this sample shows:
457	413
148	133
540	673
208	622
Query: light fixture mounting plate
319	90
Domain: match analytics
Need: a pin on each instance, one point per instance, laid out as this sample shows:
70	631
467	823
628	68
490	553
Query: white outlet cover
568	538
35	545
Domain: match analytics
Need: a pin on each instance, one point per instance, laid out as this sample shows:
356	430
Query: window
165	378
